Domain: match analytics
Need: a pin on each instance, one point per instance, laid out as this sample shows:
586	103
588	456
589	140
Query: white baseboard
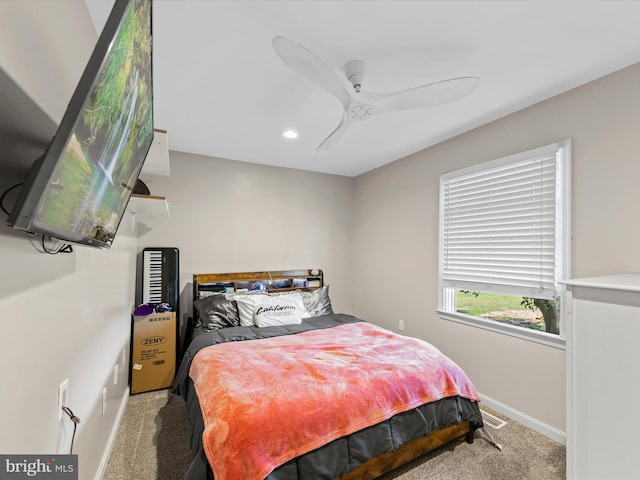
112	438
524	419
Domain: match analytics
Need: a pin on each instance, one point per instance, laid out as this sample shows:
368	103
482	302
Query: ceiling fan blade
311	67
333	138
430	95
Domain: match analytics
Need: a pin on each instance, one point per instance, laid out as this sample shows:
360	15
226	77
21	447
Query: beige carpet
153	439
153	444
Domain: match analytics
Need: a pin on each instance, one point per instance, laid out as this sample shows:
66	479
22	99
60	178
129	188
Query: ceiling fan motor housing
354	71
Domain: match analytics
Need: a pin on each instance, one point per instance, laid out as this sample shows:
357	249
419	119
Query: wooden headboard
274	281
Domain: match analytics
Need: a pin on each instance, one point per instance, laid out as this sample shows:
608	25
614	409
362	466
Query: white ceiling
220	89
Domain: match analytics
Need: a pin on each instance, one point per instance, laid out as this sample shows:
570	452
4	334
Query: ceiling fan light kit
361	105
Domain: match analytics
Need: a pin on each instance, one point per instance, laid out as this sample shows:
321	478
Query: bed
278	386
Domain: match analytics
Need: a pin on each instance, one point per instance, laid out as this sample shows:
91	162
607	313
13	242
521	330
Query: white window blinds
499	225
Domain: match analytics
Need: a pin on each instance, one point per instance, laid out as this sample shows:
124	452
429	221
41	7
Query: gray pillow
219	309
317	302
215	311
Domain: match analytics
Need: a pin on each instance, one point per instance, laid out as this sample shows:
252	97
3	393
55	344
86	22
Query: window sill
536	336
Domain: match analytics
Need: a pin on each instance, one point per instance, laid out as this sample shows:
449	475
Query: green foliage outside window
527	312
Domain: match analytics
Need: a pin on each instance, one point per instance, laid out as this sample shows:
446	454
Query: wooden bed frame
287	280
411	450
277	281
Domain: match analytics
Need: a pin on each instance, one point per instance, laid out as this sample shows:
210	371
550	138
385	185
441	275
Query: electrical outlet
400	325
115	375
63	391
104	400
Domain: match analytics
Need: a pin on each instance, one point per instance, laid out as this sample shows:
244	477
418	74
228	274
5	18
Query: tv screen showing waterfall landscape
78	190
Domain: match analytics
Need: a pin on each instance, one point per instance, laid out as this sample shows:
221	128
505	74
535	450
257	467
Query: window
505	243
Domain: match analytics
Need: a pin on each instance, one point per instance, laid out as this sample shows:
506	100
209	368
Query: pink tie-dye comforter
267	401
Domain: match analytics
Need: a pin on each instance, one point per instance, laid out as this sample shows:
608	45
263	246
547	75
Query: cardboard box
153	351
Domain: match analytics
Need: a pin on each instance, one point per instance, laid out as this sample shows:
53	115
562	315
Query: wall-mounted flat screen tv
78	190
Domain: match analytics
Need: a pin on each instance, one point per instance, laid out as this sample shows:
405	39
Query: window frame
446	295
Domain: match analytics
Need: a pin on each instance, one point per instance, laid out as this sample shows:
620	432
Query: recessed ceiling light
290	134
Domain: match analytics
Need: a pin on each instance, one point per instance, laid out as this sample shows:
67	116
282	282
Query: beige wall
47	46
396	232
68	316
375	236
63	316
228	216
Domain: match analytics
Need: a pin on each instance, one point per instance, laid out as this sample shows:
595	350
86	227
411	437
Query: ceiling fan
360	105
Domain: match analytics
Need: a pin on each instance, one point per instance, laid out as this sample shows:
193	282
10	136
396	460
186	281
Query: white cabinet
603	378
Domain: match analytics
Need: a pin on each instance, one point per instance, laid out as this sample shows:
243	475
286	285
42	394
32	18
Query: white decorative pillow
245	309
267	311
